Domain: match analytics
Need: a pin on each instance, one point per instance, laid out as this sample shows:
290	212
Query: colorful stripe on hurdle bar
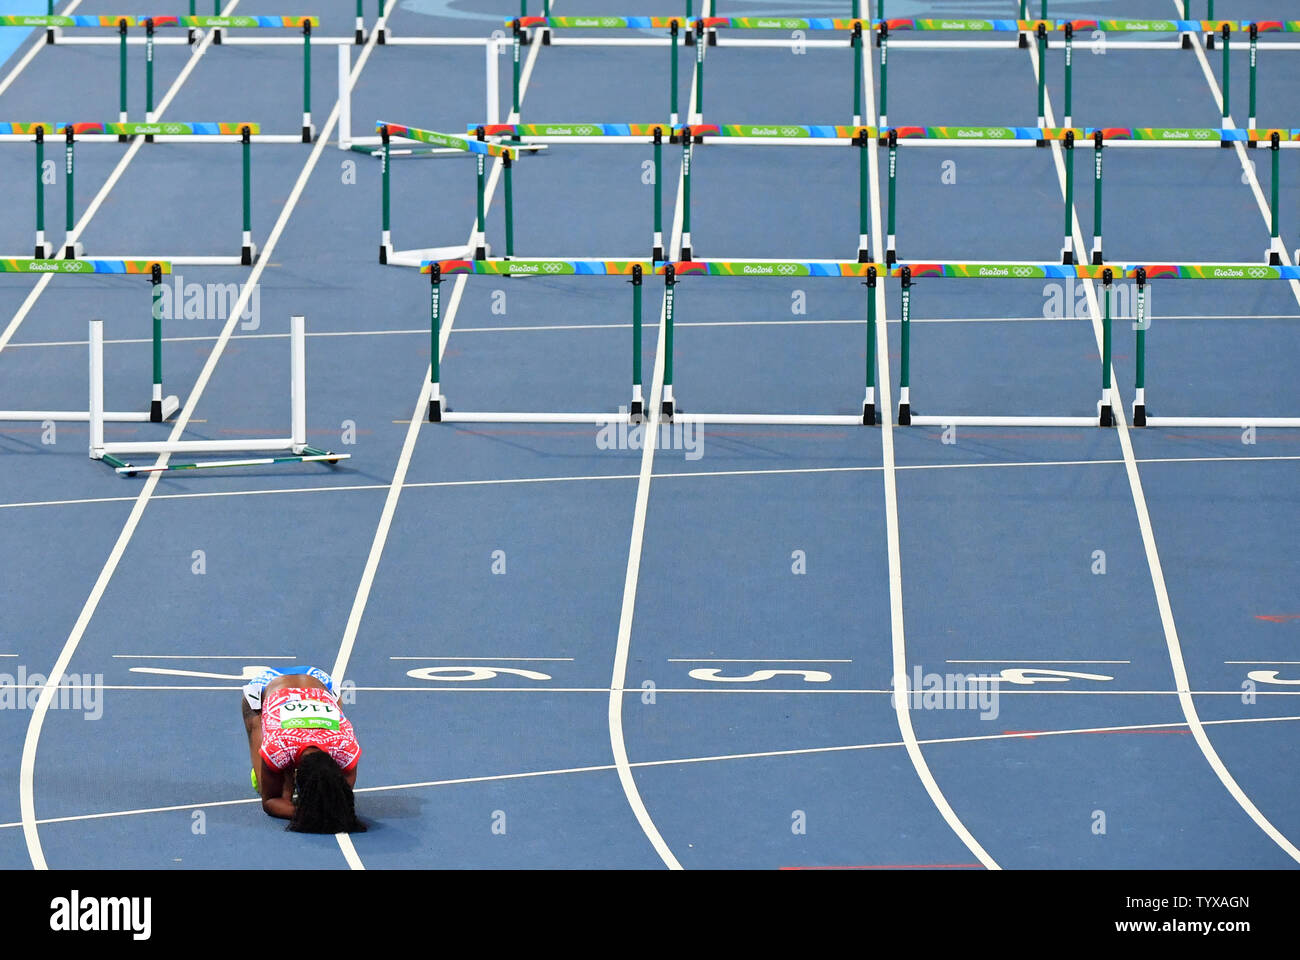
233	22
1086	271
55	20
31	265
555	268
611	130
449	140
943	25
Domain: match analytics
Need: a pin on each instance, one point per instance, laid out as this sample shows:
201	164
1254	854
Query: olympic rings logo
788	269
792	131
173	128
584	131
610	21
1257	273
1022	271
1203	134
76	266
552	267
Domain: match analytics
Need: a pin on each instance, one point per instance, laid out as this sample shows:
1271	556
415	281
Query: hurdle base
773	419
385	251
1226	144
170	406
1107	418
1139	414
864	255
435	410
1274	258
1236	422
74	251
687	253
546	38
1067	256
1187	41
869	414
1022	43
1097	258
1209	41
966	420
636	412
657	254
308	132
45	251
160	410
667	409
360	37
904	414
248	254
891	257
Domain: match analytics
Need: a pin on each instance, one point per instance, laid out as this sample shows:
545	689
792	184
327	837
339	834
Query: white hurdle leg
298	382
493	80
96	389
345	96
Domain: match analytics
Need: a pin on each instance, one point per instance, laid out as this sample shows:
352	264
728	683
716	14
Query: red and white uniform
295	718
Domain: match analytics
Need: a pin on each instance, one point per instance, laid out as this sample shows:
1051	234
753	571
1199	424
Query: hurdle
160	408
907	274
306	24
1145	273
292	449
733	134
635	270
1098	138
481	149
167	132
868	273
1142	274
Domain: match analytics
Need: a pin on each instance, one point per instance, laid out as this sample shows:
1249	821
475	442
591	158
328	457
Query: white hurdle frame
492	85
295	443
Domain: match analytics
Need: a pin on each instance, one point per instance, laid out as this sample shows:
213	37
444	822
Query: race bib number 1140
309	715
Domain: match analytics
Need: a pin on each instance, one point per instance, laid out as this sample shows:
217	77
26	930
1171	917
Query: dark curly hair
325	803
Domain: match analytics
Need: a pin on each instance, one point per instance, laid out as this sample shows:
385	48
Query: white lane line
362	595
627	326
398	483
901	680
635	543
37	45
1038	661
508	481
601	768
637	691
194	656
1163	604
27	767
718	660
478	659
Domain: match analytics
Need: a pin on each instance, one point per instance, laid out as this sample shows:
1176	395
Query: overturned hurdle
481	149
168	132
291	449
160	408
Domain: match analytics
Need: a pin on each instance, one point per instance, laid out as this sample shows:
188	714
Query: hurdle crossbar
294	446
1107	274
634	270
160	408
216	24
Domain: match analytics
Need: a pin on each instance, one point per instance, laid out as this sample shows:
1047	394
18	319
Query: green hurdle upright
43	248
666	406
1098	144
905	347
1140	374
1107	409
636	412
1067	247
435	338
